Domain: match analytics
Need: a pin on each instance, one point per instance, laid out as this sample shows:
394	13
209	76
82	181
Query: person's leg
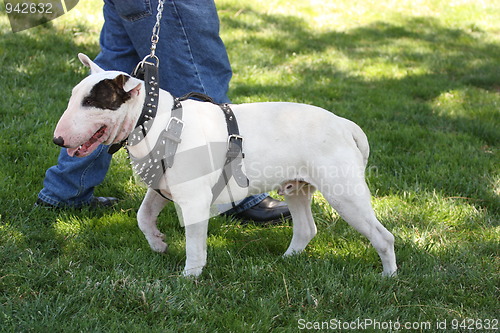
71	182
200	62
192	55
119	45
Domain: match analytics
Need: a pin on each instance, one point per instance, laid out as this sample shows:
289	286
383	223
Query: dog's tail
361	141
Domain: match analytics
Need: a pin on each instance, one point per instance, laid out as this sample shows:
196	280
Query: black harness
154	165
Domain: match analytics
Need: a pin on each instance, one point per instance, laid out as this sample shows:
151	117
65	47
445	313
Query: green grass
421	78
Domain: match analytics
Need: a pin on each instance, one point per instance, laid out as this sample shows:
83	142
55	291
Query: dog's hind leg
354	206
150	208
298	196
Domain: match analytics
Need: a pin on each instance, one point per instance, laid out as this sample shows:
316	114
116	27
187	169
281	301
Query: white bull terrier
293	148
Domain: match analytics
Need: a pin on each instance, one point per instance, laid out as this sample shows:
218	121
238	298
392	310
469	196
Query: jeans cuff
58	203
247	203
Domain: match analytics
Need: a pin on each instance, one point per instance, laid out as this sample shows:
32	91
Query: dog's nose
59	141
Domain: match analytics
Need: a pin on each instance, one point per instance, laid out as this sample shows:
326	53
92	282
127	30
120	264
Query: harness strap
153	166
172	133
200	96
234	157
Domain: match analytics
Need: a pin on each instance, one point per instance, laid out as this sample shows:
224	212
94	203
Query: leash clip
139	70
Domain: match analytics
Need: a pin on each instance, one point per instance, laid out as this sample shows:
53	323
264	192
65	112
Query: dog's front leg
196	248
150	208
194	213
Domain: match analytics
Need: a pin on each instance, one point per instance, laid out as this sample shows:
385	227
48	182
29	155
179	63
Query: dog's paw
291	252
390	274
160	247
157	244
192	272
159	235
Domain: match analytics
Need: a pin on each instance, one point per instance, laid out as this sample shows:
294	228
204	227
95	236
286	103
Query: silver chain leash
147	71
156	30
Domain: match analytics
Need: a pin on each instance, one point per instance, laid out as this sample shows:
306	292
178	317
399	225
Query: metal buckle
234	136
235	149
177	120
173	134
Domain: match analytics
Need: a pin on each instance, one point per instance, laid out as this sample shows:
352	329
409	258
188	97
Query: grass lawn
422	78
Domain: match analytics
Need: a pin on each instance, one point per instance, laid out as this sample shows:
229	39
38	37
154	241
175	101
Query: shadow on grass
416	144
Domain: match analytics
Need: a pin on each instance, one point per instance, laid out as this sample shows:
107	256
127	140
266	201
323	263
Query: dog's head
103	109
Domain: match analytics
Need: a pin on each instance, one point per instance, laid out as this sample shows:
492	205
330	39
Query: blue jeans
192	58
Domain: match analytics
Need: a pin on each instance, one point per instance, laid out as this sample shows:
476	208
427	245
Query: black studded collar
148	72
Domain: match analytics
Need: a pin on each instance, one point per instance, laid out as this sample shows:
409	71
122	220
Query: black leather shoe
268	211
95	202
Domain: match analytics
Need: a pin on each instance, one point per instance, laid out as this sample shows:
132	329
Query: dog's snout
59	141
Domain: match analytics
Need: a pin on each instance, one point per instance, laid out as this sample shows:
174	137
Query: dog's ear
89	63
132	86
129	84
120	80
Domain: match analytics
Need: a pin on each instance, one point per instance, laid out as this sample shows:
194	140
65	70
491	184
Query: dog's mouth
89	146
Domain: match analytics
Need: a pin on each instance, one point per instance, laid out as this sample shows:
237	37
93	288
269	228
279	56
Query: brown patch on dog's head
108	94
